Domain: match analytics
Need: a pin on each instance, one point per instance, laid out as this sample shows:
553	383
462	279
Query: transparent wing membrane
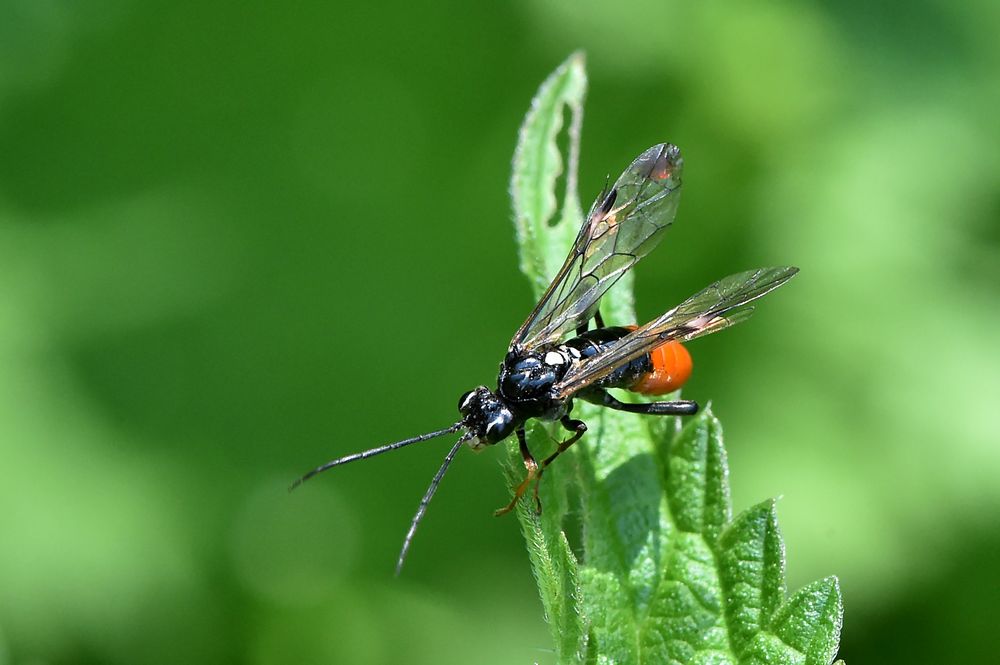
624	224
720	305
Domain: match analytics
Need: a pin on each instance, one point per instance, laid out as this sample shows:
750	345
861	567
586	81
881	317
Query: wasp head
486	417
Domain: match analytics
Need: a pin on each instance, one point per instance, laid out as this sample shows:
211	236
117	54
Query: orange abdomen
671	368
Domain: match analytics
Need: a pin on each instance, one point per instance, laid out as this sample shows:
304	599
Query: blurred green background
238	239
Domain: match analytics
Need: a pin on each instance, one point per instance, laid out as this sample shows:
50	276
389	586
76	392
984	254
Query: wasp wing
623	225
718	306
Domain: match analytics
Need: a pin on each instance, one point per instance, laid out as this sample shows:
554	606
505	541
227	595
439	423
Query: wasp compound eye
465	401
471	402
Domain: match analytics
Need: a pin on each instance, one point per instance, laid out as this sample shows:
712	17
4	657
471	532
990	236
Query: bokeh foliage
238	239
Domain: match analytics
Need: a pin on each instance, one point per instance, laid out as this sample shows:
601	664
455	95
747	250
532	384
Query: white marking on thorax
496	422
554	358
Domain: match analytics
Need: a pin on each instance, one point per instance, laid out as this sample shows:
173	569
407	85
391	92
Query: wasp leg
683	407
598	322
532	466
579	428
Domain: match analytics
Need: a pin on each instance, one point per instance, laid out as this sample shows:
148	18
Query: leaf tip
835	592
812	619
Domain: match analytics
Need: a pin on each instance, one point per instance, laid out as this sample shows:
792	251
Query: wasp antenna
375	451
428	495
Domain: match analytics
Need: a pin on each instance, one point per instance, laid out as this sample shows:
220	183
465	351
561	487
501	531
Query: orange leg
535	470
532	466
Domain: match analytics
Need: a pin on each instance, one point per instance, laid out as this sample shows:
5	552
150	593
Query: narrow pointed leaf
698	479
751	560
538	165
810	621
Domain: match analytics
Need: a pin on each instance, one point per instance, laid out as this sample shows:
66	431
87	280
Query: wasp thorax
486	417
530	376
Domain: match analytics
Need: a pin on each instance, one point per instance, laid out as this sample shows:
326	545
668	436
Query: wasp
555	357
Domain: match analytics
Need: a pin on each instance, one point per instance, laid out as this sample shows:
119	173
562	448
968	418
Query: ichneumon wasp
555	358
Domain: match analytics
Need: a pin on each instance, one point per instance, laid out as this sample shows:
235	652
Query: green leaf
636	553
537	166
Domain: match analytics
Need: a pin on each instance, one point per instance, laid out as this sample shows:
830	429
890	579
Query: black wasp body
555	358
527	380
